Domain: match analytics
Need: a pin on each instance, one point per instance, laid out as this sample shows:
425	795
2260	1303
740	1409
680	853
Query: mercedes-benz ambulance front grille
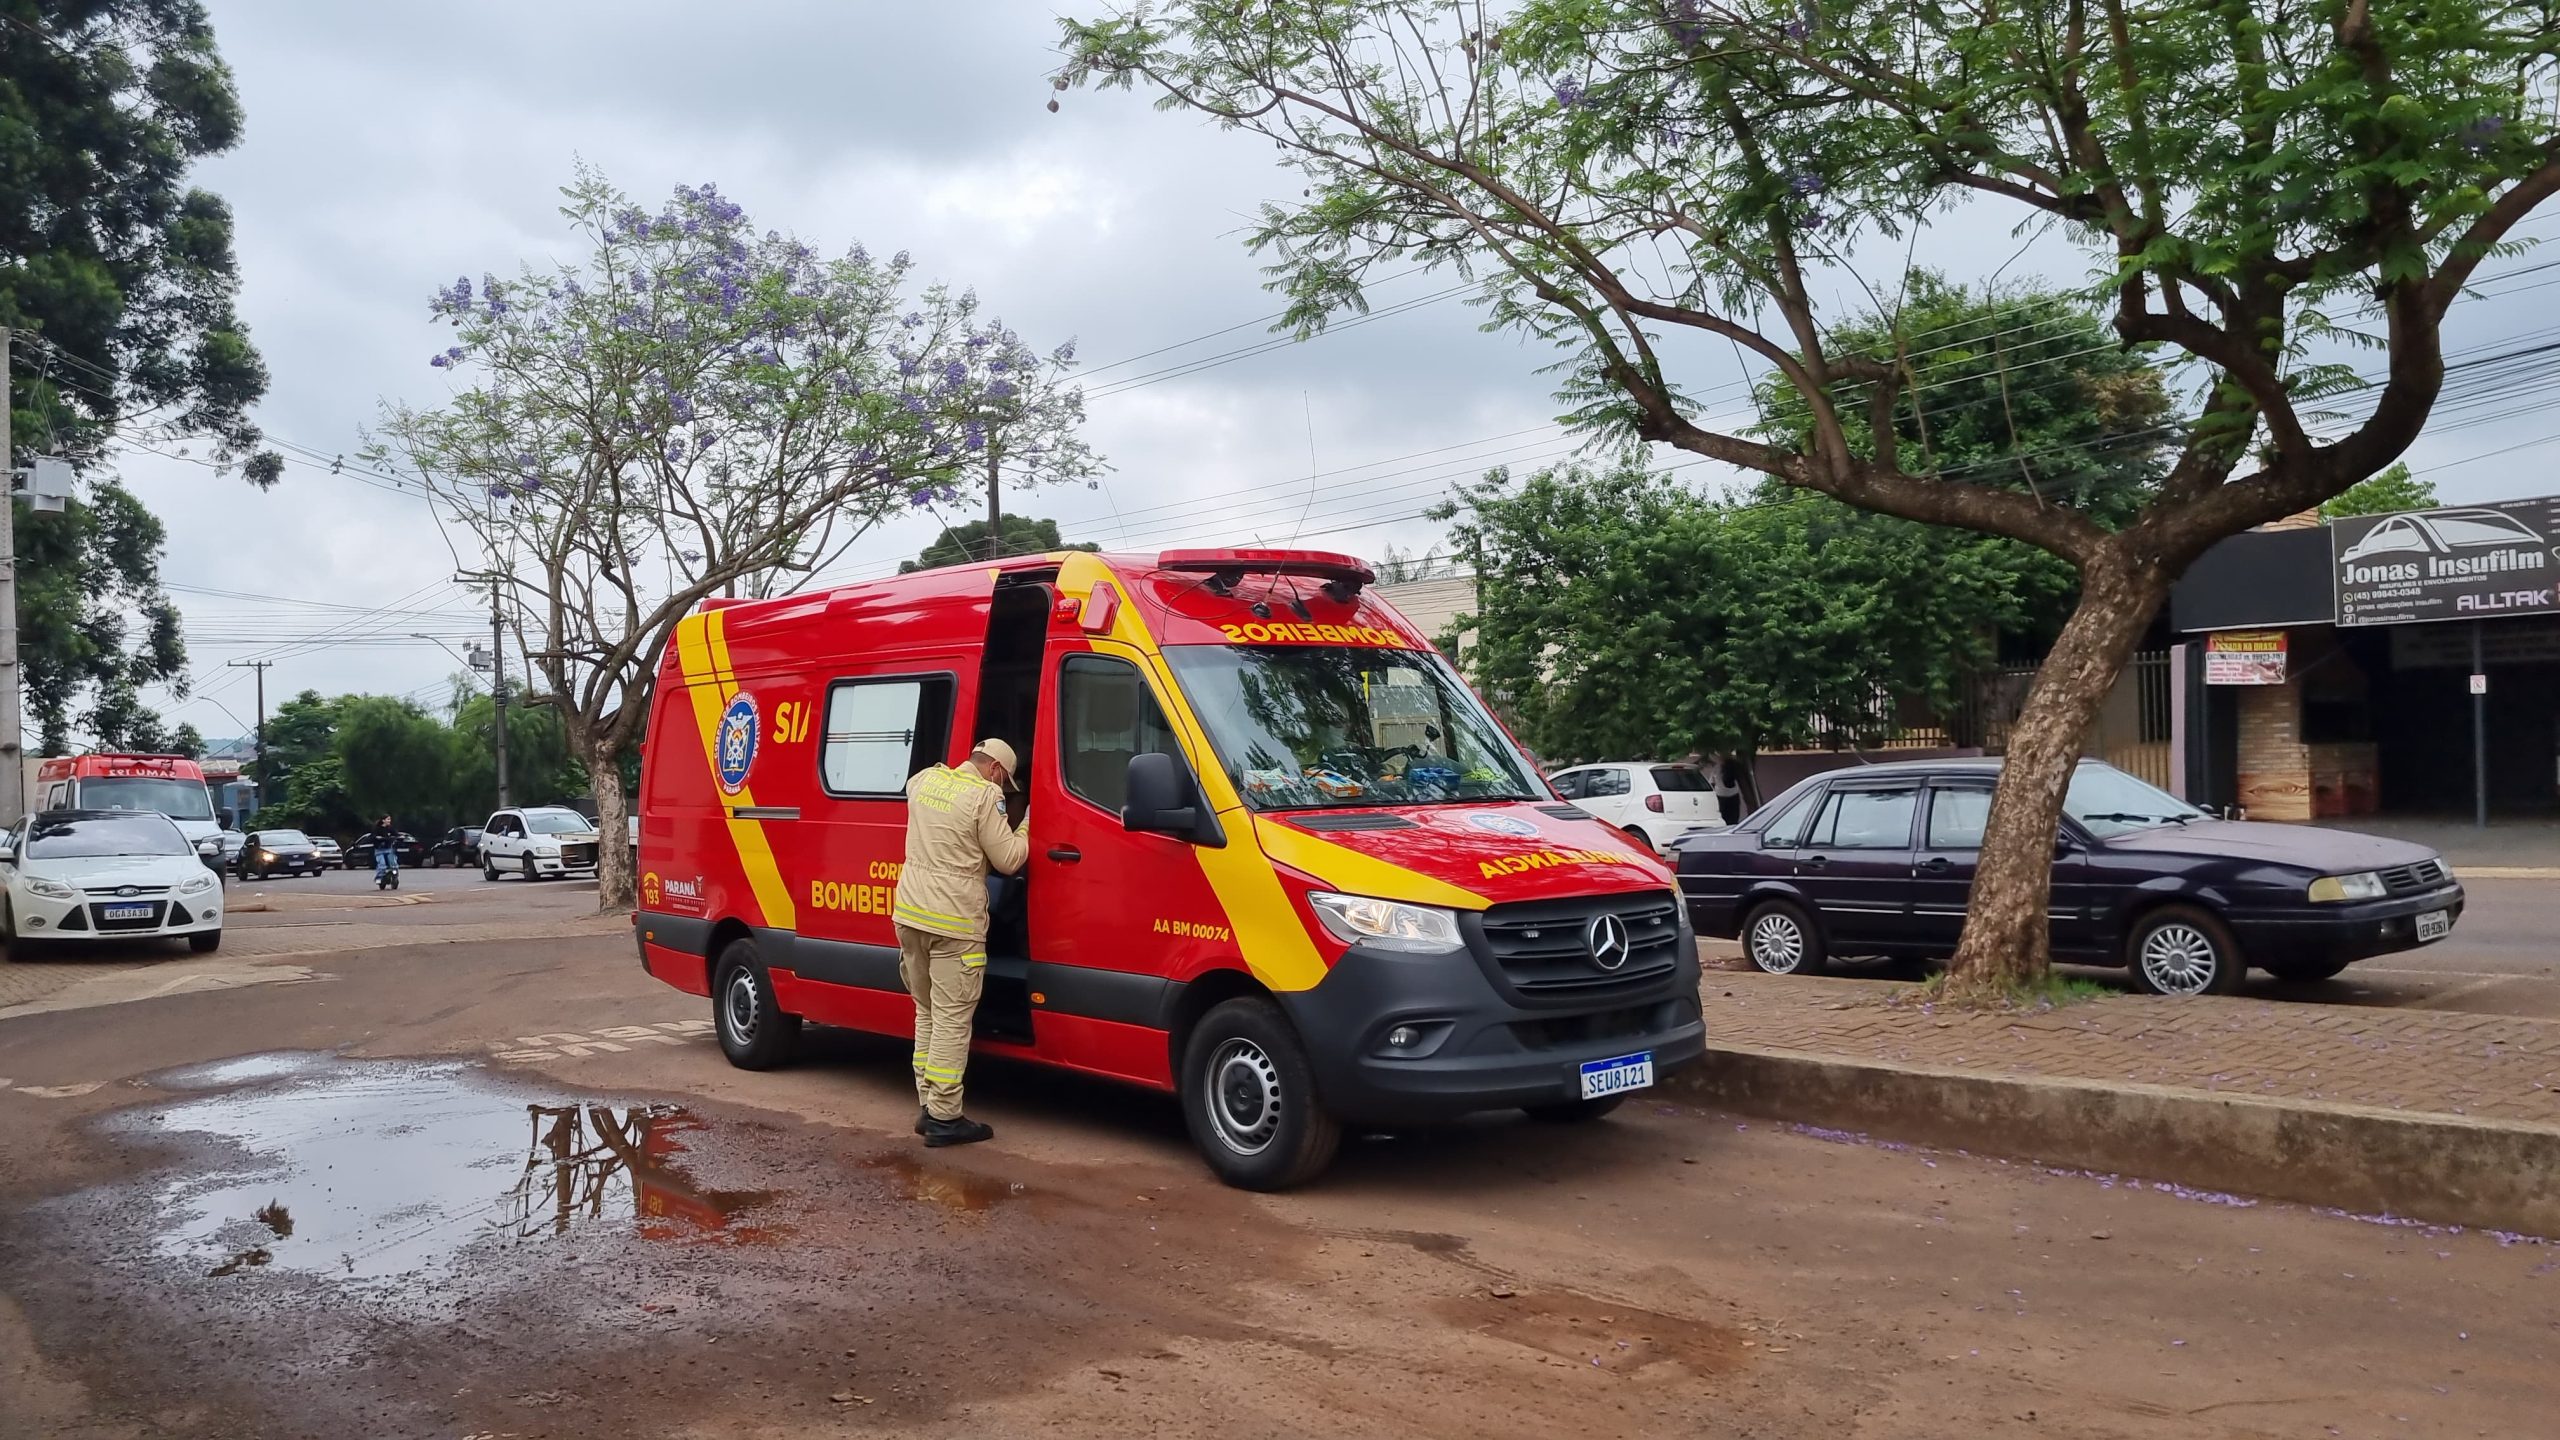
1544	947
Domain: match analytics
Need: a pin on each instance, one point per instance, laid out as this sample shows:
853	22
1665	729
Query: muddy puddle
305	1245
370	1171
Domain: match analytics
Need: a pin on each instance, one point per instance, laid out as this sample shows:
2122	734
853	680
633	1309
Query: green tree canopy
957	544
1625	617
1652	186
540	768
2025	389
117	278
120	273
2393	489
396	758
93	621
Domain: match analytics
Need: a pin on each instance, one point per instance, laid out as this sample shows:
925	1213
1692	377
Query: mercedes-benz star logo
1607	937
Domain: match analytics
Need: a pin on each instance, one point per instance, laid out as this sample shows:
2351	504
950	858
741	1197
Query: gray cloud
392	147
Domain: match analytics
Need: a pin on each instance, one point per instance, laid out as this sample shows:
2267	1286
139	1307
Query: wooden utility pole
498	686
13	750
259	786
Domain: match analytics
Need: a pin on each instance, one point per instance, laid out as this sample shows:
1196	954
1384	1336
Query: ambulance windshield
1308	727
175	798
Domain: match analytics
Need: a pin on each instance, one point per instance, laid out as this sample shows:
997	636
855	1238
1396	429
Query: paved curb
2491	1174
2506	872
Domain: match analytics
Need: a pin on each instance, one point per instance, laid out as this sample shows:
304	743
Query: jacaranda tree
693	409
1645	183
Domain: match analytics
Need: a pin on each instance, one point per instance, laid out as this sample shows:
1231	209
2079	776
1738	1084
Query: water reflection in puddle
374	1169
245	1070
954	1190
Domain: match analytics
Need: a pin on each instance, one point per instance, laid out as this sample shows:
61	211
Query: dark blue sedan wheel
2181	950
1779	938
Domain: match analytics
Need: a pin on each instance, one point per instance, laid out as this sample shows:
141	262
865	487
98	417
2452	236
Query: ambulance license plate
1611	1077
124	912
2434	925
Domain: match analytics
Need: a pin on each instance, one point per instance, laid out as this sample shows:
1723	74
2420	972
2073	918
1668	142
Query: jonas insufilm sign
2465	563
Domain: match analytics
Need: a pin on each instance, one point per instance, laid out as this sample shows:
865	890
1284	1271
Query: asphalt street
510	1188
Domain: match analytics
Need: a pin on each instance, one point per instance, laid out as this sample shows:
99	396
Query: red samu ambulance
1283	862
171	785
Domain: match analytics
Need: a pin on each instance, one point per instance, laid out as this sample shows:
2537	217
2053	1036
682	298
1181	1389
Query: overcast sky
392	146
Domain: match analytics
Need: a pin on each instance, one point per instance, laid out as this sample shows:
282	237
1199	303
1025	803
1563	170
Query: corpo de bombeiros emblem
736	746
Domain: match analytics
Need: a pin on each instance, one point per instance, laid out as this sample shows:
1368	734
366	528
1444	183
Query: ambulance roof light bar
1343	575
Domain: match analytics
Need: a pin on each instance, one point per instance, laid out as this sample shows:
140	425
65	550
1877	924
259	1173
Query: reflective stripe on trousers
944	976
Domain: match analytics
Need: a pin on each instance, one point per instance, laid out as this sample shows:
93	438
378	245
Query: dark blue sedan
1879	861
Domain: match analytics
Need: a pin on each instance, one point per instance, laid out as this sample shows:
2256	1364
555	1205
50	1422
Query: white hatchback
92	875
1655	802
538	842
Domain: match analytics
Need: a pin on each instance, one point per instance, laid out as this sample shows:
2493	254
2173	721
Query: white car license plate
124	912
2434	925
1611	1077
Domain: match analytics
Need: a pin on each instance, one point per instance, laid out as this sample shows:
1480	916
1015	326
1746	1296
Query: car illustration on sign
2440	532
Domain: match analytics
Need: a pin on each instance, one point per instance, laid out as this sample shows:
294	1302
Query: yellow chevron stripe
702	651
1361	874
1270	937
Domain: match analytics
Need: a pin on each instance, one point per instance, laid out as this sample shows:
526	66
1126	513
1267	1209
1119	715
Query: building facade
2401	664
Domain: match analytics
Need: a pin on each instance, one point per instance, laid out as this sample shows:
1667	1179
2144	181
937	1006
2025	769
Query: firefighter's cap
1002	754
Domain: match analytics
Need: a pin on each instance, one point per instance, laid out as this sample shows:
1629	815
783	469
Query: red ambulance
1283	862
171	785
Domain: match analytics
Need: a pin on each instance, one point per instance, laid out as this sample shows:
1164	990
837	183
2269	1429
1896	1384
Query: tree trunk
617	887
2008	931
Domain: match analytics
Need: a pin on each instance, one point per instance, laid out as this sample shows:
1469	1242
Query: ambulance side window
1106	715
881	732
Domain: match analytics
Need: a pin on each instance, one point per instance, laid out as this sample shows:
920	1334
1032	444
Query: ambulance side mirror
1165	800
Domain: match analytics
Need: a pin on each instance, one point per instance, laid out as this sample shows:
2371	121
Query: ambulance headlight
1388	924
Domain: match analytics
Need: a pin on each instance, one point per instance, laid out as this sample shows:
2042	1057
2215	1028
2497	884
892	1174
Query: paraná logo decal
737	747
1502	824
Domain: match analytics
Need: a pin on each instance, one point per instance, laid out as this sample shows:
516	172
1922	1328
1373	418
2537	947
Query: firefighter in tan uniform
955	835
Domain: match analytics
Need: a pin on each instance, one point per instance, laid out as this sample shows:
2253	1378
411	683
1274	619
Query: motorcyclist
386	849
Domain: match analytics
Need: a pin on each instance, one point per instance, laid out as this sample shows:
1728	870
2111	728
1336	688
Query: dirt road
510	1188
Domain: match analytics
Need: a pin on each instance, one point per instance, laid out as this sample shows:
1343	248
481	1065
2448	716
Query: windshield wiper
2132	819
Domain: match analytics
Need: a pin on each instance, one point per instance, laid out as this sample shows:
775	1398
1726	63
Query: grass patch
2051	992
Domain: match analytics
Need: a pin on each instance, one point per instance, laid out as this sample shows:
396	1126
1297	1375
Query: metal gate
2131	731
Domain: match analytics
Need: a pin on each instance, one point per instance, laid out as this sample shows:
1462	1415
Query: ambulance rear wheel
754	1033
1249	1096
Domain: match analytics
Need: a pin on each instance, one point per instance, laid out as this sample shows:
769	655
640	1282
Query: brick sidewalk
2476	1065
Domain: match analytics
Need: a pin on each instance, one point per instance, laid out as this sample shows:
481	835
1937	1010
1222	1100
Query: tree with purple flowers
2257	189
695	409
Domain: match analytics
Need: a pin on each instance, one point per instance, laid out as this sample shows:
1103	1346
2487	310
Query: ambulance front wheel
1249	1096
754	1033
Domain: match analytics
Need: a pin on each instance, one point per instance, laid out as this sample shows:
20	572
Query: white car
537	842
91	875
1655	802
